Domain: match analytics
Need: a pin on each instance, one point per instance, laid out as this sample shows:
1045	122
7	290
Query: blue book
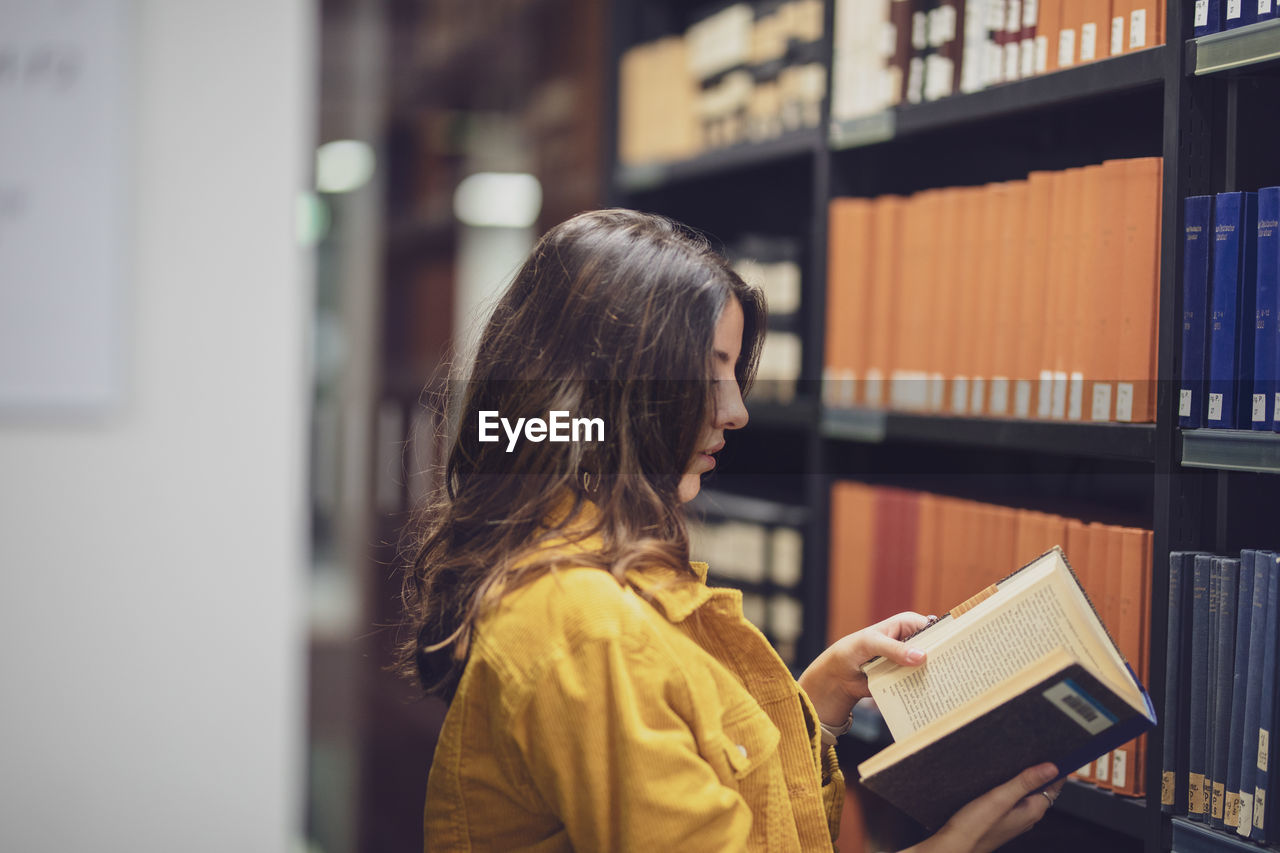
1262	786
1173	778
1239	687
1266	310
1208	17
1195	304
1240	13
1262	564
1198	707
1224	675
1235	241
1266	10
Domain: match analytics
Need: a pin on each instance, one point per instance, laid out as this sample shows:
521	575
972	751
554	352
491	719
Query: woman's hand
997	816
834	681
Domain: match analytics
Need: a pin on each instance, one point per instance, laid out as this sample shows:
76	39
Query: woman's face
728	411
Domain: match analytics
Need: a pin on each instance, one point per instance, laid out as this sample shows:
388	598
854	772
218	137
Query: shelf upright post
817	482
1181	517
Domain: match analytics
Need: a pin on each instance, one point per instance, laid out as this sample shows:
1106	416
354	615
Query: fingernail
914	656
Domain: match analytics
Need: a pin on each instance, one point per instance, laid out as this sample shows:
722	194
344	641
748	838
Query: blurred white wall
152	561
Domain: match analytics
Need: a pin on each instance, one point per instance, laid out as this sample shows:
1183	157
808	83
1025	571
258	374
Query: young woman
603	697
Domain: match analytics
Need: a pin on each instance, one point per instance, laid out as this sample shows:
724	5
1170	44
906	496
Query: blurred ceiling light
498	200
343	165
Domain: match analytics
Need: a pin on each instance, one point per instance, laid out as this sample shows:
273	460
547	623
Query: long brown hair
612	316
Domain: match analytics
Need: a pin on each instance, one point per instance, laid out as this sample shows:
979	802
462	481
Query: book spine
1266	723
1199	704
1208	17
1195	295
1266	10
1179	586
1241	13
1224	671
1253	690
1239	687
1267	310
1230	223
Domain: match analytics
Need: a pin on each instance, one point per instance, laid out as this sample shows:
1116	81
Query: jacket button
743	750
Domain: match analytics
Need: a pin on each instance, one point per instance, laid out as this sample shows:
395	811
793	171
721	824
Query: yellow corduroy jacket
647	715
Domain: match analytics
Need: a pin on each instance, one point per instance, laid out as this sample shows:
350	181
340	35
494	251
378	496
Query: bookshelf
1207	107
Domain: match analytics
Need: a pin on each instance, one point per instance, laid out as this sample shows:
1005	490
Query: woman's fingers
1017	803
903	624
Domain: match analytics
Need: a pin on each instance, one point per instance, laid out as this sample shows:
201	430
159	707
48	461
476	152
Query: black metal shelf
1132	442
646	178
1126	815
1231	450
1126	73
1192	837
1248	48
718	504
800	414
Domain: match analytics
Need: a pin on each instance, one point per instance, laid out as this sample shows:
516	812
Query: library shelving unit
1209	107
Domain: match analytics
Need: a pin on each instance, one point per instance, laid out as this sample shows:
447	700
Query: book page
1006	641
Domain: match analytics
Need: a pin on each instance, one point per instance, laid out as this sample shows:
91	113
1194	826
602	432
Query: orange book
1100	391
985	296
1139	291
1131	635
885	279
906	370
1008	305
1033	325
1068	46
851	552
1065	244
1027	536
968	251
929	544
1118	27
1145	22
1095	30
1089	289
947	298
848	295
1104	557
1048	27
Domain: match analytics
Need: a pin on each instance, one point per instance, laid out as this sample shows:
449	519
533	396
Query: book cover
1196	244
1262	407
1216	588
1239	687
1266	10
1173	787
1054	687
1140	291
1240	13
1027	38
1262	561
1230	340
1198	667
1262	786
1208	17
1048	24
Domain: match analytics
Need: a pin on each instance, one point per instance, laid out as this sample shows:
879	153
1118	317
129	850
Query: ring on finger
1045	794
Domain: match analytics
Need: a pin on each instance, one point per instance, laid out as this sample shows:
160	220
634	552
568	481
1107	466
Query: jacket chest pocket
746	740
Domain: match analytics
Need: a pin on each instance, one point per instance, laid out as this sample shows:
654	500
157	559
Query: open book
1020	674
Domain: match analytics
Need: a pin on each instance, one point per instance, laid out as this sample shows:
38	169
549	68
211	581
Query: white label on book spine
999	395
1202	13
1013	22
1233	9
1138	29
1264	744
1275	409
1101	410
1022	398
1259	808
1027	57
977	395
1124	401
1117	35
1066	48
1259	408
960	395
1075	408
937	392
1079	706
1059	394
1184	403
1264	8
1042	54
1088	42
1215	407
1246	813
1044	402
875	387
1102	767
1011	63
1030	12
1119	768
